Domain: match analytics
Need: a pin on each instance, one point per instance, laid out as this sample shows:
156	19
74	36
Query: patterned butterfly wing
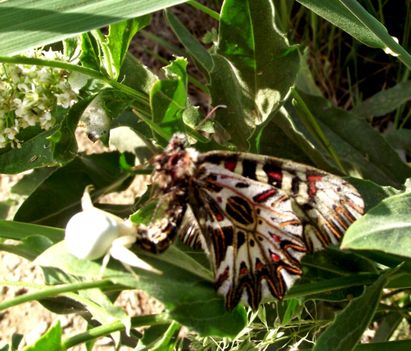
325	204
254	237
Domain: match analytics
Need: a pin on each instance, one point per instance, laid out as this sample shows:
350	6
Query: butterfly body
257	215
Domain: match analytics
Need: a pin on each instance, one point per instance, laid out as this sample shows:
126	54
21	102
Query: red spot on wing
275	257
243	271
265	195
275	175
312	186
275	237
230	165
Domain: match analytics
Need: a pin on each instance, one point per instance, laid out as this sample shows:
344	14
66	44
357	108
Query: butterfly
257	216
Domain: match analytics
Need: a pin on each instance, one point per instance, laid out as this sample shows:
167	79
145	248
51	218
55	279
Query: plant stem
53	291
205	9
141	97
113	327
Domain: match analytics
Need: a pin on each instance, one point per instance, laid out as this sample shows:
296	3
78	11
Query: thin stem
53	291
205	9
107	329
141	97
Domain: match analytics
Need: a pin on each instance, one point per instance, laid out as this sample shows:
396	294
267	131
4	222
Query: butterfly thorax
174	167
173	170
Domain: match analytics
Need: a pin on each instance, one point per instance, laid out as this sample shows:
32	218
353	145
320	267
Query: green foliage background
263	70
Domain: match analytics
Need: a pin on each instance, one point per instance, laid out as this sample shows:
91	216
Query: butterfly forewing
326	204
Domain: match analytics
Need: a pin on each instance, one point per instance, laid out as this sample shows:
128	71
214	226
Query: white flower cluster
29	95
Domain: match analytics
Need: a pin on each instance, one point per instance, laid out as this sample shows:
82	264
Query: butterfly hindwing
254	237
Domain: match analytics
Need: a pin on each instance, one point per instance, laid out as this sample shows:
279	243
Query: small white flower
29	94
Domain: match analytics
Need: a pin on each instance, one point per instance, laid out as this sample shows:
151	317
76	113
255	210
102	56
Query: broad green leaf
168	97
29	24
50	341
351	137
385	101
339	15
385	228
137	76
31	181
399	139
119	39
20	231
371	192
338	263
189	298
254	68
36	152
58	197
346	330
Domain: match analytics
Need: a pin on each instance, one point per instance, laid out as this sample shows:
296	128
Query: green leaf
351	137
119	39
58	197
168	97
20	231
339	15
90	55
50	341
36	152
29	182
253	70
348	326
399	139
385	101
385	228
371	192
189	298
25	25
